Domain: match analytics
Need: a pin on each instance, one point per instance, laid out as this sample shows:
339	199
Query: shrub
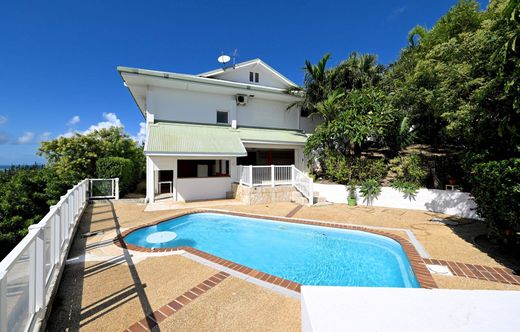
370	189
496	188
117	167
410	168
353	169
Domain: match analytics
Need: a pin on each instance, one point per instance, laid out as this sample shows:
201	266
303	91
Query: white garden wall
455	203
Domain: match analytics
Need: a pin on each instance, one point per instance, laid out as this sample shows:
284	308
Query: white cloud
74	120
26	138
141	135
110	120
3	119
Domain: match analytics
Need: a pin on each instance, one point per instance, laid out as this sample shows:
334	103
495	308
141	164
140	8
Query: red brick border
167	310
419	268
496	274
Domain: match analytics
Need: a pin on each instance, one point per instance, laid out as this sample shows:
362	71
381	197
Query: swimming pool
309	255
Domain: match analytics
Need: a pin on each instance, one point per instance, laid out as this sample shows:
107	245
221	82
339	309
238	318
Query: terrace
107	285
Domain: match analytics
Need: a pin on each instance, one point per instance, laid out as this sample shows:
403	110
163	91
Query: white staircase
279	175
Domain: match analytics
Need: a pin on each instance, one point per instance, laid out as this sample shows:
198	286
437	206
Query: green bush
370	189
117	167
496	188
410	168
353	169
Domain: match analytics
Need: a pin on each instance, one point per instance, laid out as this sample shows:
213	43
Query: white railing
29	273
275	175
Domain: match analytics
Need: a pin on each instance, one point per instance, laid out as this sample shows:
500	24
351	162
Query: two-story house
200	127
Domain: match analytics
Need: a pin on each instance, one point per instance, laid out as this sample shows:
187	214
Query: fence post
272	175
56	231
239	171
38	268
3	304
292	175
117	188
250	175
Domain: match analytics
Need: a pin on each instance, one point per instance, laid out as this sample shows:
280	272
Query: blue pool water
309	255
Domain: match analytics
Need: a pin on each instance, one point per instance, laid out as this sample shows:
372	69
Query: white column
150	182
223	166
217	166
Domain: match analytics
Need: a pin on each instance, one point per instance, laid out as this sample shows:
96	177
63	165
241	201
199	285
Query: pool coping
419	268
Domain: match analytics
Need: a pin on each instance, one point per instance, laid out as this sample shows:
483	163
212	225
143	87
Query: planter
352	201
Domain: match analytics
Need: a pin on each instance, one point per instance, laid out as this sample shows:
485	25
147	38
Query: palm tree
416	35
329	108
315	85
357	71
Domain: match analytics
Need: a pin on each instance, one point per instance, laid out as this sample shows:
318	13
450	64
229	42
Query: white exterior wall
187	189
267	113
455	203
190	189
189	106
201	107
242	75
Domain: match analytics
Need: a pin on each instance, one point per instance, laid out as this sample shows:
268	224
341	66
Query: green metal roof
212	140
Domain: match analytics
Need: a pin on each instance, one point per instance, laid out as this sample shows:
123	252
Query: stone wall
261	195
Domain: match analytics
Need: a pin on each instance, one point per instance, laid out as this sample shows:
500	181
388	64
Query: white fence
275	175
29	273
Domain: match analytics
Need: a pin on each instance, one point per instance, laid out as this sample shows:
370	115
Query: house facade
201	127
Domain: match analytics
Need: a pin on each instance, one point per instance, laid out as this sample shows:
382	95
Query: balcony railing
29	273
276	175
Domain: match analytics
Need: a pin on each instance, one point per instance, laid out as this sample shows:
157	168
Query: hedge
117	167
496	188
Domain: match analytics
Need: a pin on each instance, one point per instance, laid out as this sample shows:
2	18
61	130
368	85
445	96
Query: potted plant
352	196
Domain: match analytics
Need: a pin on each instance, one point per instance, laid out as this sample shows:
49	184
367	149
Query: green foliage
353	169
496	188
76	157
352	191
370	189
407	188
410	168
25	196
117	167
364	115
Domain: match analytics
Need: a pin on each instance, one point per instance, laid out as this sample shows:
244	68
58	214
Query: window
202	168
222	117
254	77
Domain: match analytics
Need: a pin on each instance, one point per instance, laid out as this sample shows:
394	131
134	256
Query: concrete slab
408	309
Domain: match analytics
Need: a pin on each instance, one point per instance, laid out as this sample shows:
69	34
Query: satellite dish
223	59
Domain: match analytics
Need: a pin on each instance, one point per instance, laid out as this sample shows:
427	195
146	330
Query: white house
200	128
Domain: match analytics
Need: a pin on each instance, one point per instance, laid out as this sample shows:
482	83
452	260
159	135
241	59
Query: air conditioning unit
241	99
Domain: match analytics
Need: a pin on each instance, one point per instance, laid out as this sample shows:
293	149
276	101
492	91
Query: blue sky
59	58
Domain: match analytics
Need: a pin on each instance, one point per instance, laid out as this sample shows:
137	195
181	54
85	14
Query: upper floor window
222	117
254	77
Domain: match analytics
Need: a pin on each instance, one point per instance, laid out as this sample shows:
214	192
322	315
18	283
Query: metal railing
29	273
275	175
